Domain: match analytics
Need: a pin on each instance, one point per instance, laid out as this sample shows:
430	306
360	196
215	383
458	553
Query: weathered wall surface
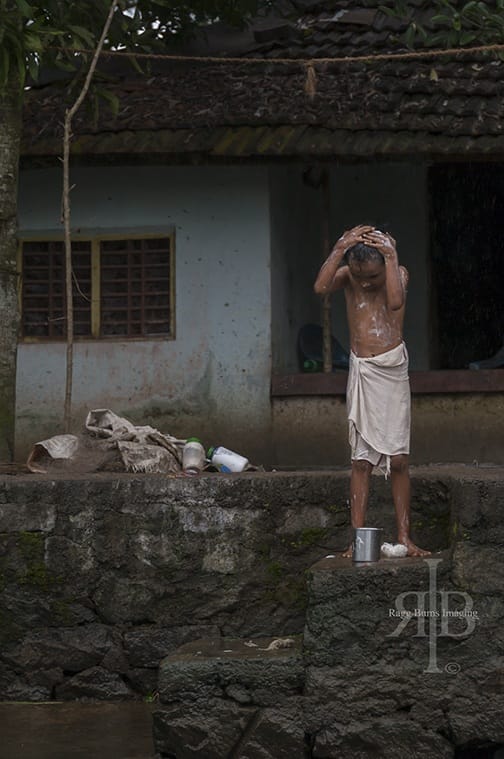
444	428
248	247
101	577
206	380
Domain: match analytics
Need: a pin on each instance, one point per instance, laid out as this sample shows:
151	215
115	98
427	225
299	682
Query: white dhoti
379	406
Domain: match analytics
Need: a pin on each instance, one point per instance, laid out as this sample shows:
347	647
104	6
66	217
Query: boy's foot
414	550
349	552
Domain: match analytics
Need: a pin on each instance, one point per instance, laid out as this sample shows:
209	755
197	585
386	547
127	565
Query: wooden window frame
95	239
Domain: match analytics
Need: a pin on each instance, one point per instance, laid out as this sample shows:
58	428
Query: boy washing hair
364	264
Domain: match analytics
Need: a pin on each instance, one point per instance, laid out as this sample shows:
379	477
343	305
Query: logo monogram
432	614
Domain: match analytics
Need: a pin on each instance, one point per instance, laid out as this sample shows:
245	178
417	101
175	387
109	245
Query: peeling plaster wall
213	379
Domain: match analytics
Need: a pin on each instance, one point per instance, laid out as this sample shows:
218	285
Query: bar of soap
394	550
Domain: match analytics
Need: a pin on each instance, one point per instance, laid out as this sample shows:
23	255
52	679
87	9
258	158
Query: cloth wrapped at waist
379	406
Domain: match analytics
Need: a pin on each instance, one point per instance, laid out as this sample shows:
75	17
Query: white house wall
213	379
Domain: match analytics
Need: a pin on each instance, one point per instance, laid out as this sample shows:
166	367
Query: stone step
354	608
400	661
233	698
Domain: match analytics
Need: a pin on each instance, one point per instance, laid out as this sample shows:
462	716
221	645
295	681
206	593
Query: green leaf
111	99
21	70
409	37
467	37
33	68
26	10
65	65
391	12
33	43
423	34
83	34
135	63
4	68
441	19
497	19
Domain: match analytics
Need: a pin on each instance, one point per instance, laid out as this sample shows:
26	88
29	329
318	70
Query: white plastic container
220	456
193	456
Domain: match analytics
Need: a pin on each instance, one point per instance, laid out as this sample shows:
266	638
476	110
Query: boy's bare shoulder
404	275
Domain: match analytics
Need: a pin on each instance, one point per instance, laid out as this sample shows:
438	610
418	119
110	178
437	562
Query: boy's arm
330	276
396	277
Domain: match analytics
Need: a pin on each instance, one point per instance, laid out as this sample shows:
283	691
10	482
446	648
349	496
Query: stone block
354	609
96	683
263	669
415	683
231	697
386	738
200	730
479	569
146	646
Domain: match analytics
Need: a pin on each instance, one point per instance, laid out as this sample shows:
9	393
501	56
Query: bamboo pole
67	136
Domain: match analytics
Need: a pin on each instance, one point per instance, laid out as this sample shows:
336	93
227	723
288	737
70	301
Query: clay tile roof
431	106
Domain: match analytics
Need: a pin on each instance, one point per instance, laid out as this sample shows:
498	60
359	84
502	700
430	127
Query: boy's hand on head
382	241
351	237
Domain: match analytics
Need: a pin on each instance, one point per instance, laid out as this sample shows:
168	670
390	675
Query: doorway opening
467	263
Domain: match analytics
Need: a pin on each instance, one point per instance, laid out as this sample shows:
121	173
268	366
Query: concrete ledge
425	382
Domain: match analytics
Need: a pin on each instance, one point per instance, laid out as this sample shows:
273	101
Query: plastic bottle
193	456
223	457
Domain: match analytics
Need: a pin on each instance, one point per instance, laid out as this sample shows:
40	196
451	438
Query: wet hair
362	253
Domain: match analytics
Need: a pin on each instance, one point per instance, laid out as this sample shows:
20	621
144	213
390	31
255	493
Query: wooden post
326	301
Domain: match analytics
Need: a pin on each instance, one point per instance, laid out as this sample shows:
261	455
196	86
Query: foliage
455	24
48	33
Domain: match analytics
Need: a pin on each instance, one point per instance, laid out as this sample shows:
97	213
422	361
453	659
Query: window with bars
122	288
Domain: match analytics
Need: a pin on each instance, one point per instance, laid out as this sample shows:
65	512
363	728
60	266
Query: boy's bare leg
359	494
401	493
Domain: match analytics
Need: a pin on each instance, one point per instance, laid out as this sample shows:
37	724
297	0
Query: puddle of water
73	730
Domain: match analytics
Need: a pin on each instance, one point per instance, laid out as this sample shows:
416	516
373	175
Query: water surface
72	730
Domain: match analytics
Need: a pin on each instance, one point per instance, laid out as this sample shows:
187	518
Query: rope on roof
308	64
302	61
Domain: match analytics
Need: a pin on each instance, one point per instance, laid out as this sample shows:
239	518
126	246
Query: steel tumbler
367	543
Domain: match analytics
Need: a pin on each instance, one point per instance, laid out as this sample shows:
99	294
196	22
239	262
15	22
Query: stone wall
400	658
103	576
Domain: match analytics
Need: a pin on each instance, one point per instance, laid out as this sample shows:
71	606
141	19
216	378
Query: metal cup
367	543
